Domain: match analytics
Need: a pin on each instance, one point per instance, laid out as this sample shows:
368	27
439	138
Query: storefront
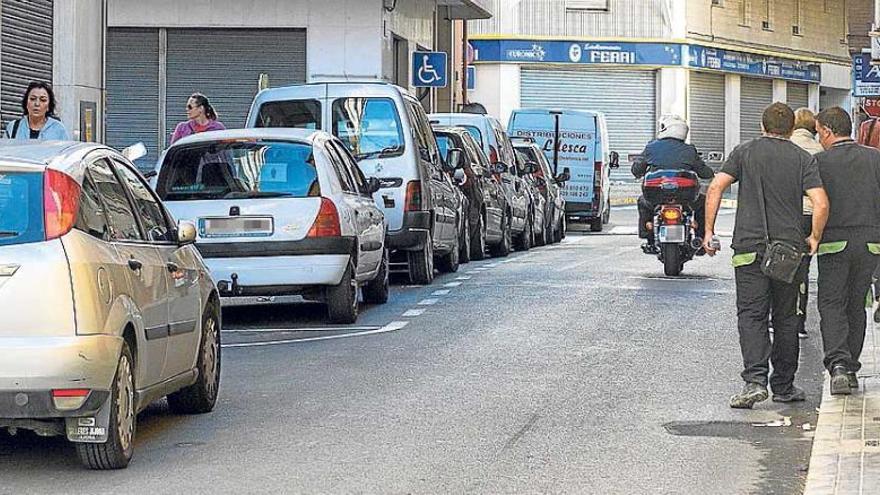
26	51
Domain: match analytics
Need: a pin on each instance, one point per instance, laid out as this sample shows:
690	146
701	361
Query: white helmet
672	126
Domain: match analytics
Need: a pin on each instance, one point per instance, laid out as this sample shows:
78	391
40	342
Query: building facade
717	63
123	69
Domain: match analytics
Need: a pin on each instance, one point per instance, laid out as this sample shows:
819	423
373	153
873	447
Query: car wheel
200	397
524	242
596	225
502	249
342	299
116	452
377	290
478	240
464	253
449	263
421	263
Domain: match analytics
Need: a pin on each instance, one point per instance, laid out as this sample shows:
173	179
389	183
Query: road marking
452	284
413	312
301	329
490	265
464	277
391	327
428	302
475	272
441	292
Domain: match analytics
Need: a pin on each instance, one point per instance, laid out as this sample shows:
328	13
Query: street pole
556	115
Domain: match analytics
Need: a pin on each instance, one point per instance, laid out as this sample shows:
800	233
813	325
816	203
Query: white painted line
428	302
623	230
475	272
490	265
391	327
301	329
464	277
441	292
413	312
452	284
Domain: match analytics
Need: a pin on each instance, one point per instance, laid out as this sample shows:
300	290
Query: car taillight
597	174
327	222
413	196
671	214
493	155
69	399
60	203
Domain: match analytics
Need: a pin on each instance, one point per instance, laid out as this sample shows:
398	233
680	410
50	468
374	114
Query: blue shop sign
577	52
866	77
702	57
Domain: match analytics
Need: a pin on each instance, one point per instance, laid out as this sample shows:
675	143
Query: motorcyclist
669	152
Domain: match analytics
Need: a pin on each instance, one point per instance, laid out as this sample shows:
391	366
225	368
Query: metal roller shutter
133	90
798	96
225	65
628	99
26	31
756	95
707	115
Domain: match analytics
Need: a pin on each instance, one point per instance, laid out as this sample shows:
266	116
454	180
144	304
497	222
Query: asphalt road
575	368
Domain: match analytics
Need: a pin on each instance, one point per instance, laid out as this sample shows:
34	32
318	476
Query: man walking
850	245
773	174
804	135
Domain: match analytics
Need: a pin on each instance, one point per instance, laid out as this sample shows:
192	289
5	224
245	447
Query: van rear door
577	150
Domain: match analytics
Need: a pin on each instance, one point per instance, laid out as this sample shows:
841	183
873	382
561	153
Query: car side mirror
373	185
135	151
186	232
453	159
459	176
615	160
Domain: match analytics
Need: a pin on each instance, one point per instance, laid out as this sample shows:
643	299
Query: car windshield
21	207
238	169
302	114
369	127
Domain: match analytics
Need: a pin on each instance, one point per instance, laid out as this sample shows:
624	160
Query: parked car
280	212
106	304
387	131
495	143
549	186
537	202
489	226
583	148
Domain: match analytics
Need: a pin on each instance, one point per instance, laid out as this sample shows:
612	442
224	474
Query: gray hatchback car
107	305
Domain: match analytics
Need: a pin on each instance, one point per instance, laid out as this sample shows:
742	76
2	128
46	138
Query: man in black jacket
850	245
669	152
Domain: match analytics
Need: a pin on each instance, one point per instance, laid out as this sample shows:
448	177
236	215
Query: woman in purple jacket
201	117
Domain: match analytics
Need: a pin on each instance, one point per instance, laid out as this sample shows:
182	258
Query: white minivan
387	131
280	212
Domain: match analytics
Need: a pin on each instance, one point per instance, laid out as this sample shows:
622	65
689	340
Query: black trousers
844	282
804	287
646	214
757	297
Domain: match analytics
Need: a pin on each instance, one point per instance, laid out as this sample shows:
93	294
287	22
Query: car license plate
236	227
672	233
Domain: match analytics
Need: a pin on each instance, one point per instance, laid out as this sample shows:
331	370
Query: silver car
107	305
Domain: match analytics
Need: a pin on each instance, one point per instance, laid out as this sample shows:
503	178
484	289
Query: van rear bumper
580	210
414	232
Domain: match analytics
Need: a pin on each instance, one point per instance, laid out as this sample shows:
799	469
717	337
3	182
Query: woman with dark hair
201	117
38	119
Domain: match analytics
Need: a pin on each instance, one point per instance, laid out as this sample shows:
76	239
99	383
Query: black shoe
649	248
751	394
853	380
794	395
840	384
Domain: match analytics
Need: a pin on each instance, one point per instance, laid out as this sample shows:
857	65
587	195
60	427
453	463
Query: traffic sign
872	106
429	69
866	77
471	78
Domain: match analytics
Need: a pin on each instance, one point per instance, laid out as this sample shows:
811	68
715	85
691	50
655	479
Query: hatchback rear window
301	114
368	127
238	169
21	207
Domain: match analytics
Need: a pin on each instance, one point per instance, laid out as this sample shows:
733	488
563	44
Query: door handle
135	264
172	267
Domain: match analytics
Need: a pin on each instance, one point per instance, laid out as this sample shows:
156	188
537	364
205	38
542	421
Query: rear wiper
9	233
254	194
377	154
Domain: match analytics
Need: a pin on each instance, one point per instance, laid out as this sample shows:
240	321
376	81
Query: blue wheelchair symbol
429	69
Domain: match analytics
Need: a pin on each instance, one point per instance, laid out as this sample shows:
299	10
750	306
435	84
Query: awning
467	9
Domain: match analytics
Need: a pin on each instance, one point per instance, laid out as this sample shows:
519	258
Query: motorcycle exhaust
696	243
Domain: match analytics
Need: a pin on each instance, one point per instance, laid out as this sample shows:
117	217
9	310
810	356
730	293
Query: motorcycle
674	193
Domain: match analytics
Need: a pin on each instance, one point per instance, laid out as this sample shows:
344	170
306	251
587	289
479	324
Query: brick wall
861	15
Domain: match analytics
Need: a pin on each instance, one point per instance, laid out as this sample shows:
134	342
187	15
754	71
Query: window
796	24
21	207
745	13
120	219
424	138
587	5
238	170
339	167
148	209
351	167
368	127
91	217
302	114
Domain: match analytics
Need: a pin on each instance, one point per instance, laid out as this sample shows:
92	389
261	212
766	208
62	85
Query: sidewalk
846	446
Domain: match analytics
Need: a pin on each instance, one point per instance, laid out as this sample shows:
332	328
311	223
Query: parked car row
330	188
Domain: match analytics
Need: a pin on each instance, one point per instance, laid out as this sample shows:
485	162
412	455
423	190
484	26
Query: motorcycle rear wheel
672	263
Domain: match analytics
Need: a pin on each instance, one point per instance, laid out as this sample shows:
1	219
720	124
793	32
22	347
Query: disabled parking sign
429	69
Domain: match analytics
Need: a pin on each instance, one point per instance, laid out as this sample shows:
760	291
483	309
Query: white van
578	141
387	131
